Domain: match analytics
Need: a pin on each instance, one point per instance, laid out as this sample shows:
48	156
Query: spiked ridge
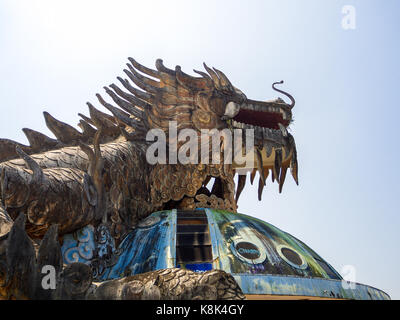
114	182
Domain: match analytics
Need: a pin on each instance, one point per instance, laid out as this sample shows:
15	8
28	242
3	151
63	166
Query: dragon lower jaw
220	191
272	151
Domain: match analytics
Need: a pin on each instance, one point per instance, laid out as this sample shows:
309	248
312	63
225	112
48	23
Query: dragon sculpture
100	176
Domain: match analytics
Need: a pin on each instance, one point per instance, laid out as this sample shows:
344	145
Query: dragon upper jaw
270	114
274	151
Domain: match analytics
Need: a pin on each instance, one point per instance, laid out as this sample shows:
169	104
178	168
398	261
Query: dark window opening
193	243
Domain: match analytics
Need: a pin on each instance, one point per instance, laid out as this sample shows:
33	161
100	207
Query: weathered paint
79	246
150	246
311	287
92	246
250	249
228	228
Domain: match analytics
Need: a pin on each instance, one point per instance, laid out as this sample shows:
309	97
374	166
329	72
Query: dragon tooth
261	185
286	147
294	167
277	163
283	129
282	178
240	187
252	175
259	165
266	173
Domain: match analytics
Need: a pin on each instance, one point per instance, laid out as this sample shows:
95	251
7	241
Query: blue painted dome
263	259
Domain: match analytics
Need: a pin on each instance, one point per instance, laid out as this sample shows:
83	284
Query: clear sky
55	55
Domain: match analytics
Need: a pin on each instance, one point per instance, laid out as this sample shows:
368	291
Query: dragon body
101	176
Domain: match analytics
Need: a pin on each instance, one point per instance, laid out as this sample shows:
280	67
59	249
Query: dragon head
207	101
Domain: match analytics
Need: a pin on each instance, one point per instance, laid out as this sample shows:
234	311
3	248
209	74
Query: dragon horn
223	79
213	75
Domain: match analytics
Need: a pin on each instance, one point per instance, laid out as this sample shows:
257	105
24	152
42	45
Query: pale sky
55	55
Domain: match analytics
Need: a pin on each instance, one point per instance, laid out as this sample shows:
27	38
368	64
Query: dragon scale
100	175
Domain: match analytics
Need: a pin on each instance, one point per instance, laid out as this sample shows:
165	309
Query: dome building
266	262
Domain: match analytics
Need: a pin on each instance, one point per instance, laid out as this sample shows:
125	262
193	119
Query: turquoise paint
215	240
167	243
298	286
147	247
232	227
79	246
264	270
